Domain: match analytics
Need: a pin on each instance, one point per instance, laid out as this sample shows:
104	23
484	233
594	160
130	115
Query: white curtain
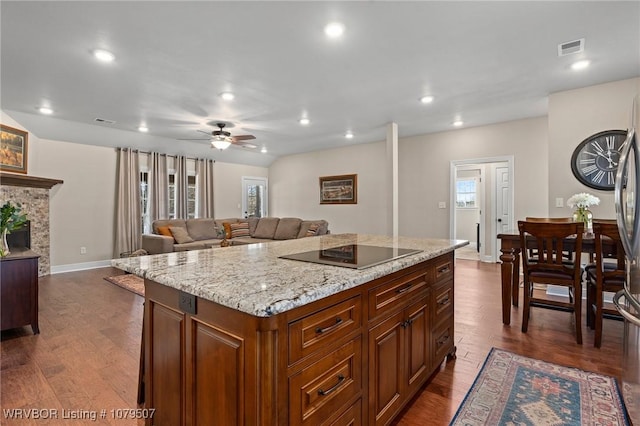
204	173
128	219
158	187
181	183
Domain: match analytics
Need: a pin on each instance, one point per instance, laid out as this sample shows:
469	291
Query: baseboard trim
59	269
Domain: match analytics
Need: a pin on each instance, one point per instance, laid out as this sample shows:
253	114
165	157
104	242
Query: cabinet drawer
442	269
324	387
320	328
442	299
352	416
442	341
394	294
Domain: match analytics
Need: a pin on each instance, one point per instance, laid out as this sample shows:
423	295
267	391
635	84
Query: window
466	190
191	196
144	202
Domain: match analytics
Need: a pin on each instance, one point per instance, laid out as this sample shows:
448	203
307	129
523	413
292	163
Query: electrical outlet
442	205
559	202
83	250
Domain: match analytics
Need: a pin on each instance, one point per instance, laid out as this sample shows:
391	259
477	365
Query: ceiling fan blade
206	133
189	139
242	137
245	144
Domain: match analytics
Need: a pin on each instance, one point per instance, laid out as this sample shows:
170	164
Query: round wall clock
595	160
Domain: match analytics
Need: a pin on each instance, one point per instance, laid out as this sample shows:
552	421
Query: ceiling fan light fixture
220	143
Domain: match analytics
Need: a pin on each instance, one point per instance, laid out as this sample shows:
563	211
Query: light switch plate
559	202
442	205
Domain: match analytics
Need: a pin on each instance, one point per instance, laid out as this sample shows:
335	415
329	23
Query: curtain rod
168	155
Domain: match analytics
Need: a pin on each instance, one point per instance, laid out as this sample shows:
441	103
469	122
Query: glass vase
4	247
584	215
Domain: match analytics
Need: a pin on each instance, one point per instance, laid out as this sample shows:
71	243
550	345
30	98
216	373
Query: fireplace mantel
28	181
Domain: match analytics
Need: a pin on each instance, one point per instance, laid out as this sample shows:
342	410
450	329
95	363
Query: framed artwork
341	189
13	149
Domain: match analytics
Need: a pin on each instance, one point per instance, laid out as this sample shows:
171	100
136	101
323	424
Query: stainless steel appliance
627	201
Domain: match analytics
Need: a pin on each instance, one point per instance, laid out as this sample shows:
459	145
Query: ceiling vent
104	121
571	47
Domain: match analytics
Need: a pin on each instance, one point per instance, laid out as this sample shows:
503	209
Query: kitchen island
238	335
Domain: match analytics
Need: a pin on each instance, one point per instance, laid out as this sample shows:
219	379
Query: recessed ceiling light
304	121
458	123
227	96
143	129
263	150
580	65
334	30
348	135
104	55
426	99
45	110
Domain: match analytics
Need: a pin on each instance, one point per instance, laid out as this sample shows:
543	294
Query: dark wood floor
86	357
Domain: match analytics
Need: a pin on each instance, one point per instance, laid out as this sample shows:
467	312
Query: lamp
220	142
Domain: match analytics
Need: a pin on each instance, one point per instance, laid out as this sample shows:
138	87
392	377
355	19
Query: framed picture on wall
341	189
13	149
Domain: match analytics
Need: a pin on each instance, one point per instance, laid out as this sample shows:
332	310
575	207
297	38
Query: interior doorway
481	200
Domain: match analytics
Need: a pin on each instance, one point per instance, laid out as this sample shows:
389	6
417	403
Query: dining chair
607	274
559	248
531	250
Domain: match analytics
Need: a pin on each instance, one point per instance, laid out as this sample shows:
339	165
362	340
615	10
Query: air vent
571	47
104	121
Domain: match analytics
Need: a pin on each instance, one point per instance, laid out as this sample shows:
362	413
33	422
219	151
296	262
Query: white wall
294	187
573	116
83	207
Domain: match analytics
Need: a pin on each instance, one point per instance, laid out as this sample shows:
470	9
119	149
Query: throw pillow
240	229
227	229
180	235
313	229
164	230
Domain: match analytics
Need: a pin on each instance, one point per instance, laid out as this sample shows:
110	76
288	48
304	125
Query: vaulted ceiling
483	62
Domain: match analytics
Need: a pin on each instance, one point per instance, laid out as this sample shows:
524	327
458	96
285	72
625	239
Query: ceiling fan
221	139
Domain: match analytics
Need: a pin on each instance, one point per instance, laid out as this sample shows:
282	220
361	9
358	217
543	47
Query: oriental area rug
129	282
515	390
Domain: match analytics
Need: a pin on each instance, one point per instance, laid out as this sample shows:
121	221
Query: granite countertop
252	279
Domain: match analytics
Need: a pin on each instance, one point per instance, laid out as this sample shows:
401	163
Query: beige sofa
198	234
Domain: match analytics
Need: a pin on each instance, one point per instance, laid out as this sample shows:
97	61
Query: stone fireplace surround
33	194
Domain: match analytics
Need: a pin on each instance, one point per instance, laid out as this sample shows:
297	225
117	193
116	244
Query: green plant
11	217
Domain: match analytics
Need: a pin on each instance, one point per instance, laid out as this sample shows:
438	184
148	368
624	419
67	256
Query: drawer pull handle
403	289
444	301
444	339
444	269
332	388
407	323
321	330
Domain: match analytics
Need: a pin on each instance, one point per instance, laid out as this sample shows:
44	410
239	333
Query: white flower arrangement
583	200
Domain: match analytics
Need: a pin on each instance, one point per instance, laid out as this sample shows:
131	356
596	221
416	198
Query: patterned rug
129	282
515	390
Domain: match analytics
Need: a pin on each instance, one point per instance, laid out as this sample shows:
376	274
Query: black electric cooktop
356	256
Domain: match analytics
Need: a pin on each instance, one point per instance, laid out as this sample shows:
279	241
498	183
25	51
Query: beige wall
227	187
573	116
295	189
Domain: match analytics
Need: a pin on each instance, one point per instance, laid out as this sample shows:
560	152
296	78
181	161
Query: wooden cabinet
19	290
355	357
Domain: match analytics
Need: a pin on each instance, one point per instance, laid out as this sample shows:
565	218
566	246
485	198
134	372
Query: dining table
510	248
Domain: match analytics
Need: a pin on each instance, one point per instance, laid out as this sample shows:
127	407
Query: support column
392	179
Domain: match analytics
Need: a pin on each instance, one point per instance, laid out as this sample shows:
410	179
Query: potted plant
11	218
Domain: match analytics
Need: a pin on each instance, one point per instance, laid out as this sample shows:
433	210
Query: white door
254	197
503	204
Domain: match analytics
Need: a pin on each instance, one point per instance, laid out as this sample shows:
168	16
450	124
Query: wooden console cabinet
353	358
19	290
